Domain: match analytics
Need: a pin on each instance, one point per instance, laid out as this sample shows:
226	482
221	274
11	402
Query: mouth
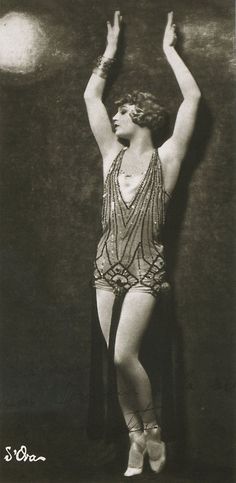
115	126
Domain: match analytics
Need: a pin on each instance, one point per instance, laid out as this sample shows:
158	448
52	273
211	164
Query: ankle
151	425
136	431
152	432
137	437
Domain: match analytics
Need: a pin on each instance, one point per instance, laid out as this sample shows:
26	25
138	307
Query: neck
141	142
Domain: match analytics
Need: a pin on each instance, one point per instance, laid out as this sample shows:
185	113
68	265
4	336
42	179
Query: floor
102	476
70	459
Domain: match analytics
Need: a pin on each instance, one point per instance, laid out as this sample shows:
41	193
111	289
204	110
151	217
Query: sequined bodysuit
130	254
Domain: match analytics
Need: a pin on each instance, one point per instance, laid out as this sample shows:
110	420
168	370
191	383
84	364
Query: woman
138	181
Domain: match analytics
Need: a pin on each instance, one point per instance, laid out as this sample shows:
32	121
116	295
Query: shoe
156	448
136	453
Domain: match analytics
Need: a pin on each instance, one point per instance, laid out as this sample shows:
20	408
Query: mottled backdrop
51	188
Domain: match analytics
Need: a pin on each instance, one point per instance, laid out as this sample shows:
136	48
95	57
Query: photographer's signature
21	455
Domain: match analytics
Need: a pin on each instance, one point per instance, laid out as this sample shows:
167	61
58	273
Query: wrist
103	66
169	50
110	51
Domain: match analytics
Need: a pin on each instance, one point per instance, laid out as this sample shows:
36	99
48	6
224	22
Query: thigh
105	301
135	316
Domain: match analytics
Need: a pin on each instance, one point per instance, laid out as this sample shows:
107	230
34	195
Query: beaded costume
130	253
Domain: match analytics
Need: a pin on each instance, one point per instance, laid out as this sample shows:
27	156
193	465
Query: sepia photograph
117	333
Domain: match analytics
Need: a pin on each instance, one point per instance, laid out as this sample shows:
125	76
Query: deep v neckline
140	185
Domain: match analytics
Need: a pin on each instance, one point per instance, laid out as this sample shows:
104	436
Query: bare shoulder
109	158
170	165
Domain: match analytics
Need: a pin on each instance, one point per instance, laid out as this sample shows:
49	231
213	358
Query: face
123	124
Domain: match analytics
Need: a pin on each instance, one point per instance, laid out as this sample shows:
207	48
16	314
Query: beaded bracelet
103	66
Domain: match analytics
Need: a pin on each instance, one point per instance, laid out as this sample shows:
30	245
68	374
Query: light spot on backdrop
22	42
33	46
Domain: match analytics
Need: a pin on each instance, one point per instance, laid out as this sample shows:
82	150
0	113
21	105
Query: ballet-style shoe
156	449
136	454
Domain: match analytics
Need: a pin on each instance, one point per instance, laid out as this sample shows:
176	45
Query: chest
129	185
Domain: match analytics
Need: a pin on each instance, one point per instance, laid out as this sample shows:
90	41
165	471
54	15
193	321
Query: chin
122	135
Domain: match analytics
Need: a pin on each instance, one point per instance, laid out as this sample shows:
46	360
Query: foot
136	453
155	448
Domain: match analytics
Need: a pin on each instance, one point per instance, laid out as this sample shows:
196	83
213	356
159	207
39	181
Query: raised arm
174	149
97	114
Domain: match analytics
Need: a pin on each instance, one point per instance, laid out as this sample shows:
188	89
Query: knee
124	360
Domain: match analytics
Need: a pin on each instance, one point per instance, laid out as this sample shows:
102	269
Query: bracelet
103	66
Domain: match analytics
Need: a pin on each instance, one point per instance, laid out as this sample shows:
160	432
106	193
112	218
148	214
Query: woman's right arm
97	114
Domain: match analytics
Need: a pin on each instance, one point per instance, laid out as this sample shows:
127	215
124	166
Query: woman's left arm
175	147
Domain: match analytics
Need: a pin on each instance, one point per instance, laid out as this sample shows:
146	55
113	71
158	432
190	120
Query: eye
123	110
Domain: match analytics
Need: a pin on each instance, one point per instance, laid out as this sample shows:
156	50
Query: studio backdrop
51	195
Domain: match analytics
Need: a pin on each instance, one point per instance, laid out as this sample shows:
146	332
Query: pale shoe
156	448
136	453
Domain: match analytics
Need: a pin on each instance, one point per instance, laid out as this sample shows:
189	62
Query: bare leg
105	300
134	387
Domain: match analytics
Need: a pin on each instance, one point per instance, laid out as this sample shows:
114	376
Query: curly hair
148	112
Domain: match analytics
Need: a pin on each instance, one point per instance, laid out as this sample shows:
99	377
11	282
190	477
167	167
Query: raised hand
170	37
113	31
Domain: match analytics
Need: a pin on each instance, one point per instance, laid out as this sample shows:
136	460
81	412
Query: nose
115	117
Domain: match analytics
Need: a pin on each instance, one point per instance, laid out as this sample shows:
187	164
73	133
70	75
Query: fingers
116	22
117	18
170	19
108	27
170	25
